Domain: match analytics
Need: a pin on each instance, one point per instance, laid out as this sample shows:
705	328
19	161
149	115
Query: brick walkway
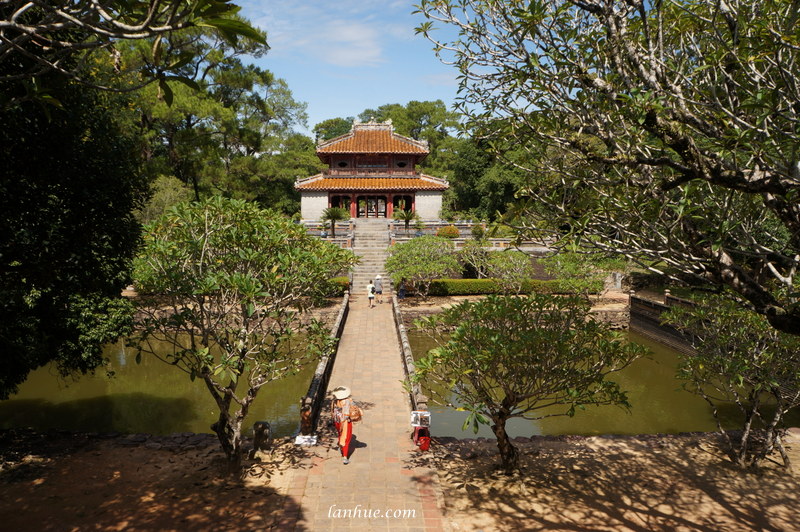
386	473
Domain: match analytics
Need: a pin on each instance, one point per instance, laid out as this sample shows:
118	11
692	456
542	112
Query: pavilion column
389	206
353	206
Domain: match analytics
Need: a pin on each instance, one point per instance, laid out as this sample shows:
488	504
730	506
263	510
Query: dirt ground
78	482
641	483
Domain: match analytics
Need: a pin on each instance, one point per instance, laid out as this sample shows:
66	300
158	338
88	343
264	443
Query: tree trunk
509	455
230	437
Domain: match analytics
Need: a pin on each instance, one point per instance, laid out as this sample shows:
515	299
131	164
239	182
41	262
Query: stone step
370	244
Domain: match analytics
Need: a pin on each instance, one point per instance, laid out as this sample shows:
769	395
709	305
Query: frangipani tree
422	260
663	131
741	360
228	286
43	38
510	270
528	357
475	254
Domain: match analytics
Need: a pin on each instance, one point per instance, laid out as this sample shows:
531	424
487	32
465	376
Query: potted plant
333	215
406	217
419	226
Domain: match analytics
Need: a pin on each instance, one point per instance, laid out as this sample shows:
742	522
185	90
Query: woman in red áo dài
340	411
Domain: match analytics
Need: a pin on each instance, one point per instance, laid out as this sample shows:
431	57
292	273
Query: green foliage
463	287
337	286
481	184
70	179
478	232
475	256
500	230
332	128
510	269
580	269
66	41
227	286
448	231
166	192
506	357
697	176
420	261
232	134
584	266
741	360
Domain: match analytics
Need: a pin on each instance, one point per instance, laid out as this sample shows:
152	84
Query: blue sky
341	57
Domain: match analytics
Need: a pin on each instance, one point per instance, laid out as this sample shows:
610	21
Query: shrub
473	287
511	269
448	231
463	287
337	286
498	230
478	232
422	260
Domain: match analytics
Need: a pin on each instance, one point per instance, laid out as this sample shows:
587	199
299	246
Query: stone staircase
370	243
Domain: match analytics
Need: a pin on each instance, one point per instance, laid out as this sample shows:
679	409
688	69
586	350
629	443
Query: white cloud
347	44
444	79
346	33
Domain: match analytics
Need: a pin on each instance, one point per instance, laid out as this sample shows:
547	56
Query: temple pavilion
372	173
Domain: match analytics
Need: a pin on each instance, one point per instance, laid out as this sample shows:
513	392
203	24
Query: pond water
658	403
151	397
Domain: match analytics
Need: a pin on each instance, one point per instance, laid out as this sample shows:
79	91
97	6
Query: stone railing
344	232
398	234
416	398
311	403
646	320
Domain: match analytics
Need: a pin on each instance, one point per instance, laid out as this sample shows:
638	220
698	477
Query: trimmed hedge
471	287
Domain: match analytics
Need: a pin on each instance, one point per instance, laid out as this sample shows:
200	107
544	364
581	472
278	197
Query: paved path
387	473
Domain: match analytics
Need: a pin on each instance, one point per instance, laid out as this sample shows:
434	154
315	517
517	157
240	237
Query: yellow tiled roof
373	138
421	182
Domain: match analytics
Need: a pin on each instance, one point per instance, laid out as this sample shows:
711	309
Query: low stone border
416	398
311	403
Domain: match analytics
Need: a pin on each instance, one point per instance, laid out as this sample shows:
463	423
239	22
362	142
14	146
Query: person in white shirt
371	294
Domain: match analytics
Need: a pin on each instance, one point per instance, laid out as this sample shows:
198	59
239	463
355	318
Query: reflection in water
658	403
150	397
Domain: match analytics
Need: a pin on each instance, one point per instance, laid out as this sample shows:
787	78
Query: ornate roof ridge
440	180
421	145
372	183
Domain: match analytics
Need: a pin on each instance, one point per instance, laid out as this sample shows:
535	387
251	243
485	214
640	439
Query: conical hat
341	392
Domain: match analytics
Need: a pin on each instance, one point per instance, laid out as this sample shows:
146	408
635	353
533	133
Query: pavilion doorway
402	203
341	201
371	206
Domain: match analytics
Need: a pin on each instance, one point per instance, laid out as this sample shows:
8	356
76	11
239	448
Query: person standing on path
341	407
379	289
371	294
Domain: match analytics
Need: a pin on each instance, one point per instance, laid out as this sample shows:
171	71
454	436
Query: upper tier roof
354	183
373	138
